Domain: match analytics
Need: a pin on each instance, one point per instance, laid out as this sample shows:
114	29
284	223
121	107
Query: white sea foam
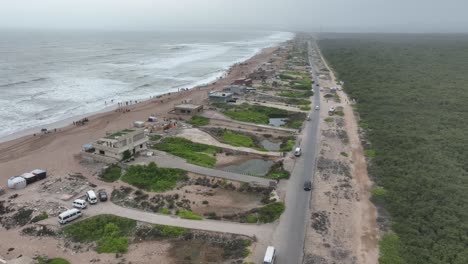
43	84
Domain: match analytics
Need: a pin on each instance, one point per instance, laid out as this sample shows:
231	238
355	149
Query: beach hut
29	177
17	183
40	174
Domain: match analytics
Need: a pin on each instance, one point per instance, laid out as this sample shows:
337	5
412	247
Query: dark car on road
307	186
102	196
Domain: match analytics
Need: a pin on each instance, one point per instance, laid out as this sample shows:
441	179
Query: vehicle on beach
102	196
91	197
79	203
69	215
270	255
297	152
307	185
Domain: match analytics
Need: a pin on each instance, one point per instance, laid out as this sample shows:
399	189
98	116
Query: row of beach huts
20	182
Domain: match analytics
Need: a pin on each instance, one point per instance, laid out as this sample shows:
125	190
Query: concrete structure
221	97
114	145
245	82
188	109
239	89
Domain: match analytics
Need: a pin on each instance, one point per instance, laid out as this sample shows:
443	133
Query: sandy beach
58	152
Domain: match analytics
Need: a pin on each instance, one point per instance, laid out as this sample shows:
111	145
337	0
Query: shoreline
63	123
57	151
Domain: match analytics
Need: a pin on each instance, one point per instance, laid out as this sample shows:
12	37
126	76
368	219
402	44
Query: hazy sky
313	15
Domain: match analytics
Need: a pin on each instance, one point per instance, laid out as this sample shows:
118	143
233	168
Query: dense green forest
412	97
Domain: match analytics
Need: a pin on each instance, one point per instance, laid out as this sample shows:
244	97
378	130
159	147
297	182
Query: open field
411	94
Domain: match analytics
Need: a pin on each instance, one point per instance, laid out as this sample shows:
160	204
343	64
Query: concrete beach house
114	145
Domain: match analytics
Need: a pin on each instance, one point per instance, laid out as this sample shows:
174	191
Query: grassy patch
294	94
40	217
248	116
370	153
344	154
378	192
329	119
152	178
270	212
195	153
277	172
185	214
287	145
305	108
199	121
43	260
155	137
92	229
237	140
296	124
389	247
339	113
111	174
165	211
296	101
252	219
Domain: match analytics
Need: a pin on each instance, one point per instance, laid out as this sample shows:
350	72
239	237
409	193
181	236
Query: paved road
163	159
289	236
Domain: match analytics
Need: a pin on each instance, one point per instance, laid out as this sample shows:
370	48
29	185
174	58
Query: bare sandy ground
56	151
342	227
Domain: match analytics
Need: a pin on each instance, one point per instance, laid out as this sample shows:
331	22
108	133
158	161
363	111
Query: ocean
50	76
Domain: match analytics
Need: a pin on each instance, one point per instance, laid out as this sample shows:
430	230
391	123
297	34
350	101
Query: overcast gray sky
313	15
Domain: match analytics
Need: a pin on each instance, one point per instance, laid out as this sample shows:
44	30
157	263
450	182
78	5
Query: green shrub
270	212
112	240
370	153
339	113
164	211
40	217
344	154
126	155
185	214
111	173
194	153
152	178
58	261
389	247
305	108
288	146
251	219
329	119
296	124
199	121
378	192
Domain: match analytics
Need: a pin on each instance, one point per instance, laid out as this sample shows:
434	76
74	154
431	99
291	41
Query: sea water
50	76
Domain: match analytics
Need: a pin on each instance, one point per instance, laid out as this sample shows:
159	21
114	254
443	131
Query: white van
69	215
297	152
91	197
78	203
270	255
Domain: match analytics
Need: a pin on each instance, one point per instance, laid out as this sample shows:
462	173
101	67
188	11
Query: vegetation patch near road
153	178
113	234
199	121
111	173
412	93
195	153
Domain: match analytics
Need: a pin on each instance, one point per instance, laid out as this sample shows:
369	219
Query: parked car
91	197
103	196
317	107
79	203
297	152
307	186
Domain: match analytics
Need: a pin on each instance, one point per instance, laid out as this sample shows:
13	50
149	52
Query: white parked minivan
91	197
270	255
297	152
69	215
79	203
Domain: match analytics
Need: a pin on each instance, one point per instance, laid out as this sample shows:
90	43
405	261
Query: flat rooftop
220	94
119	134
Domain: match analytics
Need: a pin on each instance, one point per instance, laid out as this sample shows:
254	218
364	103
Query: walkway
164	159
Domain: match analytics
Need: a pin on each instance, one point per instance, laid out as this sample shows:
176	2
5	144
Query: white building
114	145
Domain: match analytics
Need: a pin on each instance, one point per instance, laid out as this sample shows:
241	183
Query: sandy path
56	151
343	226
